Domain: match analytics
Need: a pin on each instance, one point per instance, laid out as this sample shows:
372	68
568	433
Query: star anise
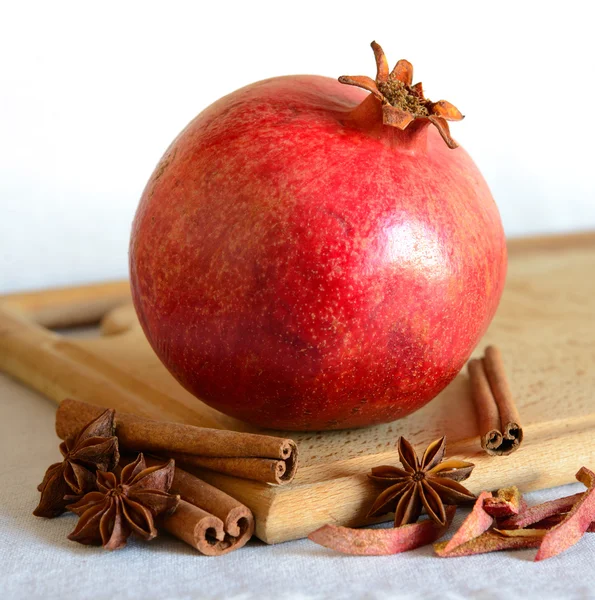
402	102
124	505
429	483
94	447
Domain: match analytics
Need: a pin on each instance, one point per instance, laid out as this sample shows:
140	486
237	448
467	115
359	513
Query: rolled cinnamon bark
509	414
252	456
206	518
488	418
497	416
259	469
197	528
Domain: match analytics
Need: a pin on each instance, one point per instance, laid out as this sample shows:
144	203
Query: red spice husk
549	522
490	541
579	520
474	525
377	542
541	512
523	533
507	502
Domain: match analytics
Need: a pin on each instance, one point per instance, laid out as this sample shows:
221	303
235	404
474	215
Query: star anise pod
402	102
124	505
429	483
94	447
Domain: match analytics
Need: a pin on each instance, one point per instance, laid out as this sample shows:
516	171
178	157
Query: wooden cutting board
545	327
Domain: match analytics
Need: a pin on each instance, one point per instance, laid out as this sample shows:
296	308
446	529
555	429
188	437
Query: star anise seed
94	447
429	483
124	505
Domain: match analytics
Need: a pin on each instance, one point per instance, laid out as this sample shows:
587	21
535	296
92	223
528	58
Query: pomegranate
308	256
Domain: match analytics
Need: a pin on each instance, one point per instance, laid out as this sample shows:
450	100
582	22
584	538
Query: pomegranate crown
402	102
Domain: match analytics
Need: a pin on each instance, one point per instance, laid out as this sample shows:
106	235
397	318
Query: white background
91	94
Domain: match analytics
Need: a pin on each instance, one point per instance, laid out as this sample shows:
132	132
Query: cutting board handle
58	368
69	307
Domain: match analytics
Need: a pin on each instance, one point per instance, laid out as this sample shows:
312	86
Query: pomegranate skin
301	271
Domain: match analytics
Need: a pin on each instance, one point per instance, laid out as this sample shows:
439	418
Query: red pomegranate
307	256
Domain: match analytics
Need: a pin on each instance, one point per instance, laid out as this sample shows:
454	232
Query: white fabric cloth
37	561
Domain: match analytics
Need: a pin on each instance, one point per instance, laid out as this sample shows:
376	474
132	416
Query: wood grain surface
545	327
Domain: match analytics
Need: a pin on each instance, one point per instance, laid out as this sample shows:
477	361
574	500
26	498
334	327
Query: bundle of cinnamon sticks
248	455
497	415
206	518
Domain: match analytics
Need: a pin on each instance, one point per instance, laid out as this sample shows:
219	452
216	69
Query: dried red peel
547	523
579	520
377	542
490	541
521	532
541	512
474	525
556	520
507	502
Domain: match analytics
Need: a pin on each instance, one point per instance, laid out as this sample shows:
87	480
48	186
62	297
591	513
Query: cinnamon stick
252	456
259	469
497	416
206	518
488	418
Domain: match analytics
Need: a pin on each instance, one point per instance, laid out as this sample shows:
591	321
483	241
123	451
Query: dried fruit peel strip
490	541
521	532
377	542
579	519
548	523
540	512
507	502
474	525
